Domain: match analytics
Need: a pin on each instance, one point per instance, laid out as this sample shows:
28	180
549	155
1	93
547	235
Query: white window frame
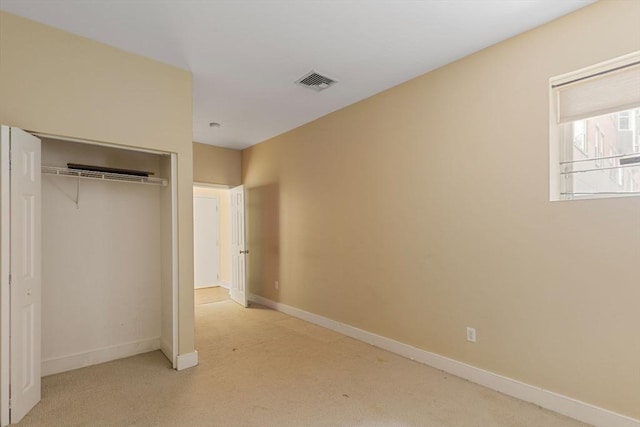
555	130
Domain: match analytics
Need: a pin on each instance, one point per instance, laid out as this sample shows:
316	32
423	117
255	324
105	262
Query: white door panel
5	306
25	287
238	251
206	259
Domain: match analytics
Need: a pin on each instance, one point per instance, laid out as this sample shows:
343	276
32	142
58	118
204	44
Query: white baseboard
221	283
101	355
561	404
187	360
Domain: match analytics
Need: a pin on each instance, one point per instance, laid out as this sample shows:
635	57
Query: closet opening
88	259
109	276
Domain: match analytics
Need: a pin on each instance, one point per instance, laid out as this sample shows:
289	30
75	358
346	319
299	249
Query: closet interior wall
101	259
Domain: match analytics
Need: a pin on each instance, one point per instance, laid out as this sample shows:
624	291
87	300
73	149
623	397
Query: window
611	162
636	142
599	147
595	131
624	122
579	136
620	177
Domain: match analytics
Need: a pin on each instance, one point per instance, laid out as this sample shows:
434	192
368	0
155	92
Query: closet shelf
105	176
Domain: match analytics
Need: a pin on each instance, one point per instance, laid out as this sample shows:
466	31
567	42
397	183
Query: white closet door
206	261
26	289
5	300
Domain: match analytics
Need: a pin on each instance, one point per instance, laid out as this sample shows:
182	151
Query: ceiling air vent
316	81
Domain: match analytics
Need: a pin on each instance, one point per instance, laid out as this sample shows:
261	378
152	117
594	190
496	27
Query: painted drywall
101	259
224	228
58	83
424	209
167	291
216	165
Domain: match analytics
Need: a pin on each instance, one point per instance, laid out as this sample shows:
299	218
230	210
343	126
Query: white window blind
601	94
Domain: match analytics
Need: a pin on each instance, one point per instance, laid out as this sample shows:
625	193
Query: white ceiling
245	55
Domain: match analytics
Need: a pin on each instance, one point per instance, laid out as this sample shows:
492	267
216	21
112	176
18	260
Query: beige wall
224	227
216	165
424	209
58	83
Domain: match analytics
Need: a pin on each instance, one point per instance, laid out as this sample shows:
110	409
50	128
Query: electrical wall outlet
276	284
471	334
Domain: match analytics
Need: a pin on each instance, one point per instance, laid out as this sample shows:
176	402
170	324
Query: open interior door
238	251
25	273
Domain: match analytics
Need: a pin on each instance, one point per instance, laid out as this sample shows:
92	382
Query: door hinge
9	279
9	403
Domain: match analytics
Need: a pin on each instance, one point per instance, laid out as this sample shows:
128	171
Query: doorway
206	242
211	237
231	235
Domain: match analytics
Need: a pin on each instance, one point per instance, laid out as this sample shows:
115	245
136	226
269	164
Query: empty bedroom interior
413	214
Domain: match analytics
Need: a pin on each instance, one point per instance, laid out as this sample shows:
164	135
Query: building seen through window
602	155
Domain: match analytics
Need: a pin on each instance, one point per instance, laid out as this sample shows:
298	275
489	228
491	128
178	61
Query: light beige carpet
209	295
259	367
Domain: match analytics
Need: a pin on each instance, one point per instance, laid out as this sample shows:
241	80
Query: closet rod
104	176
